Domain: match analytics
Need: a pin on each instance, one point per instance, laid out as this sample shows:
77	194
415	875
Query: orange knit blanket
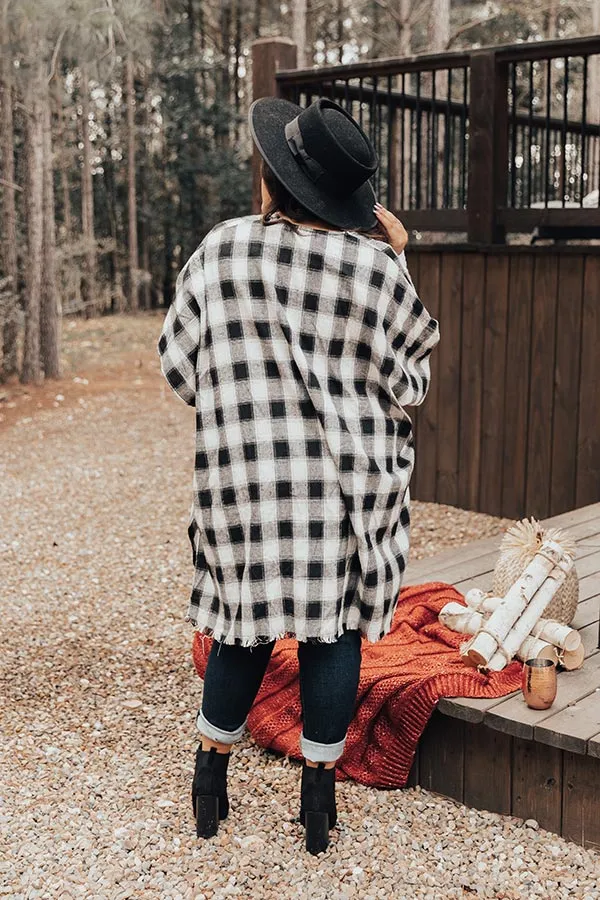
402	677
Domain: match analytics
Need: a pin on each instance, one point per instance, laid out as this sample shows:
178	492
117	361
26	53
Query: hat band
313	169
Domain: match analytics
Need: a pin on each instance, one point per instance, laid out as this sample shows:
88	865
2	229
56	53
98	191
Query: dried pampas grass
518	547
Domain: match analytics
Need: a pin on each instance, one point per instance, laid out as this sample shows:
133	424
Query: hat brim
267	119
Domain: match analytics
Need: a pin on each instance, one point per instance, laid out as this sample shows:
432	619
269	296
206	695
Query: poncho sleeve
413	333
180	336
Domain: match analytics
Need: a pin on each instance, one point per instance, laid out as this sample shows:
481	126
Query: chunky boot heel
318	812
207	815
317	831
209	790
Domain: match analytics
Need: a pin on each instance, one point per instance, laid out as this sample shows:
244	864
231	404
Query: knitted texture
402	678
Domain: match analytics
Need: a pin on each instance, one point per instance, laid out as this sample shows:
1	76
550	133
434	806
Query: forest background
123	135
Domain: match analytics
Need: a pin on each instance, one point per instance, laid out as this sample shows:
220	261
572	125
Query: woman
299	338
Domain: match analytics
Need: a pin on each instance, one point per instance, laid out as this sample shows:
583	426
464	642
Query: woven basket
519	546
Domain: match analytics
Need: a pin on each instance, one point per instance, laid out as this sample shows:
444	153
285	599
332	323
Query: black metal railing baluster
547	129
530	142
390	135
455	159
434	142
463	140
402	139
428	146
583	175
402	113
564	129
373	114
447	144
513	137
379	134
360	101
537	172
411	156
418	141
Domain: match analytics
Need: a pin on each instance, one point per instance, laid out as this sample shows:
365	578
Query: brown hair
283	202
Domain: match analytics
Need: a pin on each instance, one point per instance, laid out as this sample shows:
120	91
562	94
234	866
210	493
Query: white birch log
531	648
483	645
460	618
560	635
534	648
546	629
468	621
532	612
475	597
573	659
482	602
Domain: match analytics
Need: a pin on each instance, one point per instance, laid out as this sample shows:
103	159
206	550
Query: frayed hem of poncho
206	631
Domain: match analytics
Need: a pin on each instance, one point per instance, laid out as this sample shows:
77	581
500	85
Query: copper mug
538	682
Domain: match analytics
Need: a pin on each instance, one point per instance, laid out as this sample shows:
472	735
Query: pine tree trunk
202	36
258	8
225	81
8	219
550	20
439	26
87	199
236	70
67	217
309	49
144	217
340	30
375	20
50	319
168	285
31	369
117	296
404	29
131	186
299	31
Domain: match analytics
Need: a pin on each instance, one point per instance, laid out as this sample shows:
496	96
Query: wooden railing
502	139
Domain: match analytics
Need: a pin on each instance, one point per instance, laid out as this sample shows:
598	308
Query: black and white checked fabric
299	349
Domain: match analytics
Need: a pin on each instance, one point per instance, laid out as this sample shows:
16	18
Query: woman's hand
395	230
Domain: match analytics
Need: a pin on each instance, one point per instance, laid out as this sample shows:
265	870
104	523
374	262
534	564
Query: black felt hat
321	155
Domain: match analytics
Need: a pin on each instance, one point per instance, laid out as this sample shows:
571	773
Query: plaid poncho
299	349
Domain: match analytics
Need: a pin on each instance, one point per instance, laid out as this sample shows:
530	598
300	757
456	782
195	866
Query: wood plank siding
511	425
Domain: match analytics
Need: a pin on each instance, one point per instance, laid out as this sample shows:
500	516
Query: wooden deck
499	754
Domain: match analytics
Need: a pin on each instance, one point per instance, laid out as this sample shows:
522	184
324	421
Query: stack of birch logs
502	628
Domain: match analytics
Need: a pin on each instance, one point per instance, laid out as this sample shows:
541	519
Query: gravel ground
98	693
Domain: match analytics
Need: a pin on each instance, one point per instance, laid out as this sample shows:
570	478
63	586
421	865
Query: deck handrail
456	158
525	51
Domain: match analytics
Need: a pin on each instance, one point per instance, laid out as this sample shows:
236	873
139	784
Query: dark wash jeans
329	676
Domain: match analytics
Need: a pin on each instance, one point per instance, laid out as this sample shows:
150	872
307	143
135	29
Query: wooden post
488	147
394	162
269	55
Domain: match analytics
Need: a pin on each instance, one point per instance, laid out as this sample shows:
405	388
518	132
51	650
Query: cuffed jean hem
217	734
321	752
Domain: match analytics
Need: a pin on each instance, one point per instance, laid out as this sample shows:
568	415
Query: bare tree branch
9	184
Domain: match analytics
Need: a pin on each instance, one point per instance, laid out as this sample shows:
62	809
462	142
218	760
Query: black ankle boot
318	811
209	790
